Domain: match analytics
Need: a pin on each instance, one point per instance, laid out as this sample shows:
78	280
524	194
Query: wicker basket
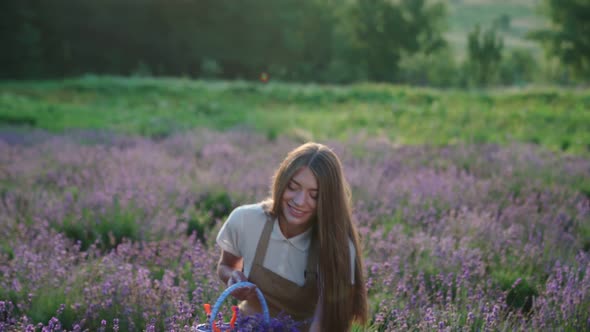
213	326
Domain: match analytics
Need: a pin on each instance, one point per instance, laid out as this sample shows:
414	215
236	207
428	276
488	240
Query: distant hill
515	18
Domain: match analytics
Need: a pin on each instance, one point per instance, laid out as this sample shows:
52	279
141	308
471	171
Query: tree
435	69
22	52
383	30
518	67
569	35
484	51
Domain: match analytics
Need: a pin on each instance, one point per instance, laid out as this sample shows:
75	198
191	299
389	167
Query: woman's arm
229	270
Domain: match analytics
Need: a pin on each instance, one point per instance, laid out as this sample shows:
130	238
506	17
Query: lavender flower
447	232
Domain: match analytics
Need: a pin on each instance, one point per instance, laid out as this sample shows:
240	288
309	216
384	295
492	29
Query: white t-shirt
241	231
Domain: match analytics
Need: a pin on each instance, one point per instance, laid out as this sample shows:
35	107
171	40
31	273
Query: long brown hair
342	301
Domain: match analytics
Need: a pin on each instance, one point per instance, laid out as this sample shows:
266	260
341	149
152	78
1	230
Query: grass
554	118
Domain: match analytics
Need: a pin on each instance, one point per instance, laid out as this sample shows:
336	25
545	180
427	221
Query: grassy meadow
556	119
473	207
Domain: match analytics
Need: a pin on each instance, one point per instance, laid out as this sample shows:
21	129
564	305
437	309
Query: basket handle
228	291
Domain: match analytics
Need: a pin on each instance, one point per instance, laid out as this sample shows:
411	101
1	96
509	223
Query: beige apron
283	295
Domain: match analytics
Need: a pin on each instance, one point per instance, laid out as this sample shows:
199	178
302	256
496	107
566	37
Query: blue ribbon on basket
227	292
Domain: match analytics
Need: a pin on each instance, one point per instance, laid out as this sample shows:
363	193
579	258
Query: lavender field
104	232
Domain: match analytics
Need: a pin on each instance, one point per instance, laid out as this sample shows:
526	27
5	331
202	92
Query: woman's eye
314	196
291	186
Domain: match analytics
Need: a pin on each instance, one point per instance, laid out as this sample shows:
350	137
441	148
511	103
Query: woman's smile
295	211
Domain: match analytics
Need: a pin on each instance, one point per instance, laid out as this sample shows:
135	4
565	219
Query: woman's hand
241	293
229	269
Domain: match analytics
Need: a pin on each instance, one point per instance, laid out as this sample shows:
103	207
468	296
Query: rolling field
473	208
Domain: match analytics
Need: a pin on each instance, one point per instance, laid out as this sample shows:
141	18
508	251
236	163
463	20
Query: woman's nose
299	198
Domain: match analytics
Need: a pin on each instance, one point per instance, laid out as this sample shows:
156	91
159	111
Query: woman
299	247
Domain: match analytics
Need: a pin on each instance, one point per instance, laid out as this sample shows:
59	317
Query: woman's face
299	202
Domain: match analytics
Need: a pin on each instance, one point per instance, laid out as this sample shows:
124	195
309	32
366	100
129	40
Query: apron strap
263	242
310	273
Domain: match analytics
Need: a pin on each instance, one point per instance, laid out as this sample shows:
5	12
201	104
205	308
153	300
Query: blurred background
456	43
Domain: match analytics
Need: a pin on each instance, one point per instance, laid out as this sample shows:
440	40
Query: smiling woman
300	246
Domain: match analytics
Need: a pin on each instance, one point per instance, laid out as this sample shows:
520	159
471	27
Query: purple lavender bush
118	235
256	323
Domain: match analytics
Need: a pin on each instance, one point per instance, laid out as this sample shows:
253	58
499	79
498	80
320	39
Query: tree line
297	40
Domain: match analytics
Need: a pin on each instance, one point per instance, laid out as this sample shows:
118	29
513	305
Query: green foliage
518	68
156	37
43	305
159	128
17	120
568	37
197	221
484	55
108	228
502	22
47	305
512	19
309	40
210	68
384	30
7	250
21	40
306	41
314	40
438	69
201	217
218	204
520	292
583	229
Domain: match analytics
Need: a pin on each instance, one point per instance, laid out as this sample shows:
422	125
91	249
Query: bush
109	228
520	291
202	215
210	68
436	69
519	67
